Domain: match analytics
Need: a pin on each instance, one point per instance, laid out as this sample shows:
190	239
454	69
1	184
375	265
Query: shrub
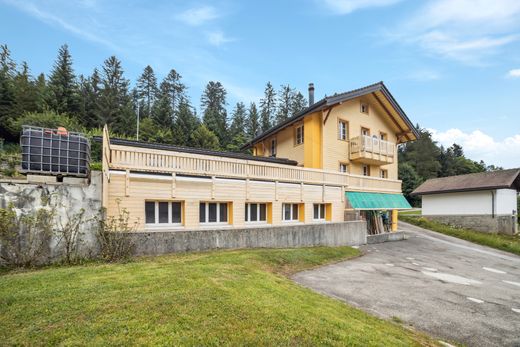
24	238
114	243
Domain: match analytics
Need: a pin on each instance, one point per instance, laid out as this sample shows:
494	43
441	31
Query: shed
485	201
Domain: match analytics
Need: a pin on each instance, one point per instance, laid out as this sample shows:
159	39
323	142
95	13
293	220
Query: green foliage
149	131
411	180
499	241
267	107
63	93
236	298
202	137
185	125
253	124
114	243
25	237
147	90
47	119
213	105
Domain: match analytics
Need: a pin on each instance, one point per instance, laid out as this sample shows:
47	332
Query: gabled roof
329	101
503	179
160	146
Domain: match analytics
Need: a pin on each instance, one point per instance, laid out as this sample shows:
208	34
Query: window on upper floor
383	173
163	212
364	108
343	167
383	136
273	147
342	130
366	170
299	135
365	131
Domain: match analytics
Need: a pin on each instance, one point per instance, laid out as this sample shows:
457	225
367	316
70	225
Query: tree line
165	112
424	159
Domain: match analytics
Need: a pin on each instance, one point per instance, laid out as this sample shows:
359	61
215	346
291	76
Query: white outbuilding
485	201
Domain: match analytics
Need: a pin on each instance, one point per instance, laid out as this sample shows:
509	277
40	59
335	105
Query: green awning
376	201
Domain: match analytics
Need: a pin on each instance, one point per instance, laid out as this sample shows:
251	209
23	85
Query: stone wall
302	235
504	224
67	199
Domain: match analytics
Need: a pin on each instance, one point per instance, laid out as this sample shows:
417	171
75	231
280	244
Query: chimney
311	94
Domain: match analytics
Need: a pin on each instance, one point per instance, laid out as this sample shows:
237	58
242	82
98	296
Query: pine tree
186	122
298	103
115	102
202	137
63	93
267	107
7	97
176	90
41	92
25	92
237	132
90	90
213	105
147	90
162	112
253	125
285	98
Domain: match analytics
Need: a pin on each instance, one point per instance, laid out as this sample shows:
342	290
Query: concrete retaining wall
304	235
67	198
504	224
386	237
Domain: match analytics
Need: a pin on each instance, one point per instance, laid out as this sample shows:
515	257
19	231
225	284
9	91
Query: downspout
492	204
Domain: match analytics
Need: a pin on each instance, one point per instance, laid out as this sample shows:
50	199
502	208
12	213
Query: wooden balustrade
121	157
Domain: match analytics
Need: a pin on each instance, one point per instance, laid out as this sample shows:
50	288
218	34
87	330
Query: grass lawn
503	242
225	297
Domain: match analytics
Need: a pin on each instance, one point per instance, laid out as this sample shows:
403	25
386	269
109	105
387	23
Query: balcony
371	150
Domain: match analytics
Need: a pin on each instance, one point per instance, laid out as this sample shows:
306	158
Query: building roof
503	179
160	146
329	101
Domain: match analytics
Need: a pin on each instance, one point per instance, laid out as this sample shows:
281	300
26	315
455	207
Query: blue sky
453	65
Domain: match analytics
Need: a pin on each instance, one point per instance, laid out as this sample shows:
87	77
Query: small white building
484	201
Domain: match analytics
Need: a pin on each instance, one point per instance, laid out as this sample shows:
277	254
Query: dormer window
364	108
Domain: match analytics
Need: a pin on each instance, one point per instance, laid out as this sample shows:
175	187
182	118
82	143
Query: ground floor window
213	212
319	211
290	212
256	212
163	212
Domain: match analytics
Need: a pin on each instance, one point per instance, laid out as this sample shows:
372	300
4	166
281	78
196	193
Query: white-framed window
366	170
213	212
319	212
365	131
256	213
343	167
163	212
343	130
383	173
364	108
290	212
383	136
273	147
299	135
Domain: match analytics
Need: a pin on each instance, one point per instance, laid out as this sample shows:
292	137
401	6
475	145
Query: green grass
410	213
213	298
499	241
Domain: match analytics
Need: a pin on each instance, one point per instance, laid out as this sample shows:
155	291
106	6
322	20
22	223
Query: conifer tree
298	103
63	93
237	132
202	137
162	112
186	122
90	89
7	97
253	125
285	98
176	90
25	92
115	102
267	107
147	90
213	105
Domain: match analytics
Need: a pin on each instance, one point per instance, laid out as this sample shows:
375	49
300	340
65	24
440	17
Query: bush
47	119
114	243
25	238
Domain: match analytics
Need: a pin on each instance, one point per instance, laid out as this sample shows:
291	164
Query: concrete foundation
503	224
305	235
386	237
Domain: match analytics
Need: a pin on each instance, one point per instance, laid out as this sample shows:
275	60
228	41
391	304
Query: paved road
450	288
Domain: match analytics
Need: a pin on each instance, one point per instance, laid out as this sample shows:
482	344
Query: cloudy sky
453	65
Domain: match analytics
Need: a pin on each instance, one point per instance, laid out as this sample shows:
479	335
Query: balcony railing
120	157
372	150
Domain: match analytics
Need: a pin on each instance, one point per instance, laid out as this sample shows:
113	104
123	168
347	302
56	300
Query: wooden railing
163	161
365	143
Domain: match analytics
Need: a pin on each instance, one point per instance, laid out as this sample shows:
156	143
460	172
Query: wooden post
174	183
127	183
395	216
301	191
247	188
323	193
212	187
275	190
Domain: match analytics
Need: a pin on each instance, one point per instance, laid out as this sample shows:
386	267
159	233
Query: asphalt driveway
453	289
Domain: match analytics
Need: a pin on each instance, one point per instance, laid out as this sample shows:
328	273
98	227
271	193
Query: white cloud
217	38
198	15
349	6
514	73
464	30
478	145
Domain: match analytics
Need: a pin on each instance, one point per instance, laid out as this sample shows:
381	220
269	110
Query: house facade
301	171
